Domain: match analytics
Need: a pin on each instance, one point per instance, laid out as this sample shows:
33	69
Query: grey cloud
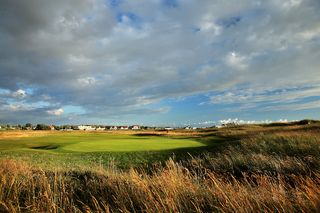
268	99
76	53
294	106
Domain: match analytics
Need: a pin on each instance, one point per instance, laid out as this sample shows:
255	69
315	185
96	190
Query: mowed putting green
94	142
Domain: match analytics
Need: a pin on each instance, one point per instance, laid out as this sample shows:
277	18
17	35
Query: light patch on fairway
131	143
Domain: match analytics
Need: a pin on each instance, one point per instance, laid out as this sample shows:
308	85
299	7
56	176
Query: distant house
113	128
168	128
135	127
187	127
100	128
51	127
124	127
86	128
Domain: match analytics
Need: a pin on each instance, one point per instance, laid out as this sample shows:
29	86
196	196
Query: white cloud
79	60
87	81
237	61
20	93
56	112
310	33
210	29
17	107
240	121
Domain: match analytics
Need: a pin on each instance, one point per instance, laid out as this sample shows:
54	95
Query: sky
159	62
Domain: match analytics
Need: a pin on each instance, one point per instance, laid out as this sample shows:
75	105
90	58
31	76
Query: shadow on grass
148	134
46	147
147	159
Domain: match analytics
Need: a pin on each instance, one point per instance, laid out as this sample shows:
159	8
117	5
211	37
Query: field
84	150
94	142
274	168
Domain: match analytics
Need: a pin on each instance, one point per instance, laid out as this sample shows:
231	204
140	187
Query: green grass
74	150
96	142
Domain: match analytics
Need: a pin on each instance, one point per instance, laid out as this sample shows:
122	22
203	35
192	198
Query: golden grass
172	188
23	133
31	133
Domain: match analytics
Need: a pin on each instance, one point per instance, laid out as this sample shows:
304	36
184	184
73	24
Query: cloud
240	121
130	57
19	94
56	112
235	60
269	99
88	81
294	106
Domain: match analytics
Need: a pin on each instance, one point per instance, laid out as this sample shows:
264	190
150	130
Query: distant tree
75	127
66	127
42	127
57	127
28	125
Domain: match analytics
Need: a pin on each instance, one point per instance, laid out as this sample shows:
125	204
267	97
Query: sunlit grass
95	142
80	150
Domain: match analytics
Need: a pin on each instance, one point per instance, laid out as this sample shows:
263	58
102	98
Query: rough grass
172	188
283	152
274	170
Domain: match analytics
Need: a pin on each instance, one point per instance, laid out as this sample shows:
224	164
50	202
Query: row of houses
90	127
100	128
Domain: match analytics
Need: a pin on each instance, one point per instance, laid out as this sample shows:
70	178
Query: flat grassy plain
84	150
271	168
67	142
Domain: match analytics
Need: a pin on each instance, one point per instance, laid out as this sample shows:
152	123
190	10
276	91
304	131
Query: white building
100	128
86	128
135	127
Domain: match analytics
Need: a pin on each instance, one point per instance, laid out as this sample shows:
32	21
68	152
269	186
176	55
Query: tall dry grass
172	188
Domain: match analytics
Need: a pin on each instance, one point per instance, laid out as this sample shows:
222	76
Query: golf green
95	142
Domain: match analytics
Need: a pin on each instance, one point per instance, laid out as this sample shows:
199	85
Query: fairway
65	142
